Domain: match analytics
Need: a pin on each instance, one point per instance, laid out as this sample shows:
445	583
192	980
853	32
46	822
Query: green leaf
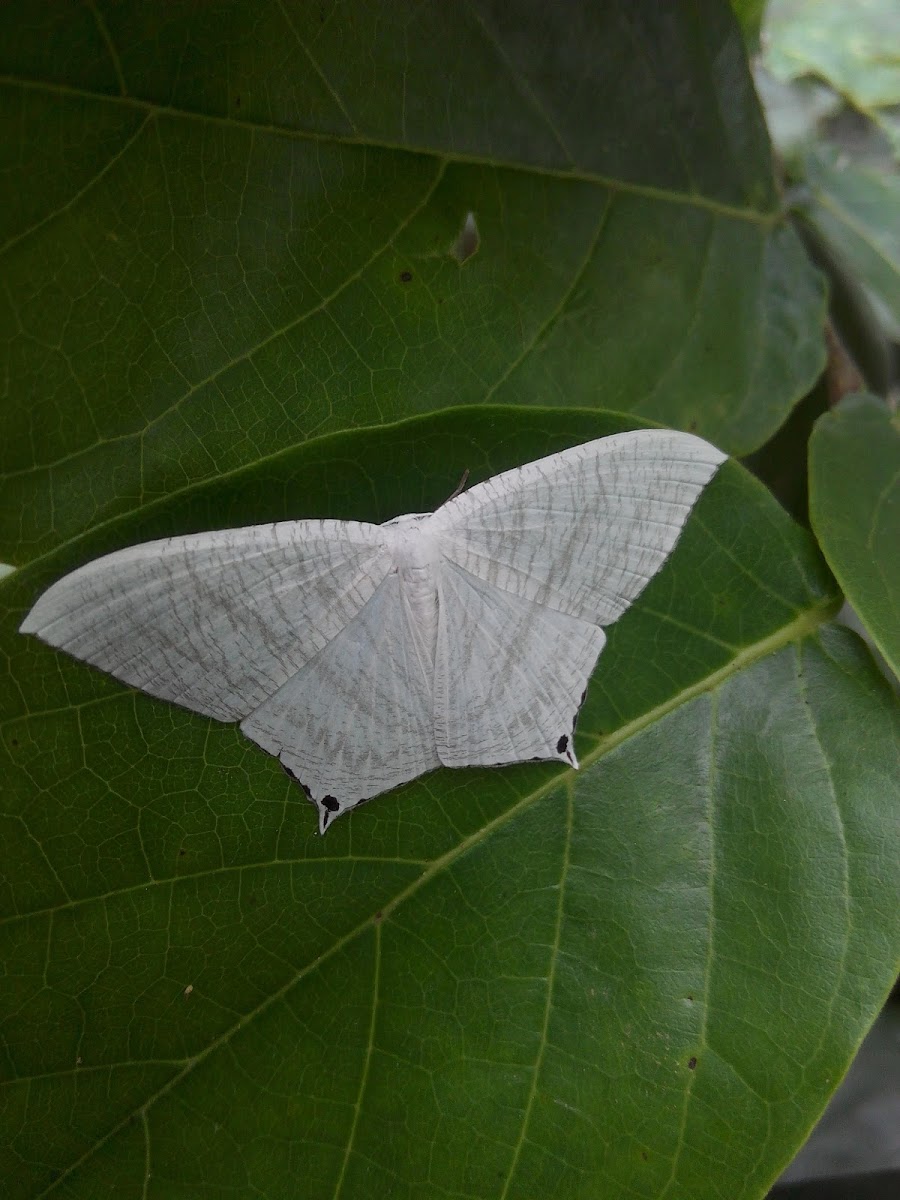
854	318
858	211
854	498
644	978
794	108
229	228
853	47
750	16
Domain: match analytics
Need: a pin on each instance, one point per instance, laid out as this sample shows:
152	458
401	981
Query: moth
361	655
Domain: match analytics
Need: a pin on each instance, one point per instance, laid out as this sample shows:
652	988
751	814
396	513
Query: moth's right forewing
218	621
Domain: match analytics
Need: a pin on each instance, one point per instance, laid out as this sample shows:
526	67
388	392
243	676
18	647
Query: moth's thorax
413	546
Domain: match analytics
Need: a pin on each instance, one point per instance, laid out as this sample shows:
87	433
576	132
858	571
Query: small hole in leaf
692	1063
468	239
406	276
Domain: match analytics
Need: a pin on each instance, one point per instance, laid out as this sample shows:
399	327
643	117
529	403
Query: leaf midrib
762	217
804	623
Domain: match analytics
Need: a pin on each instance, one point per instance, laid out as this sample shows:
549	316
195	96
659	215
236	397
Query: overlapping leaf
857	211
230	228
850	47
853	47
854	485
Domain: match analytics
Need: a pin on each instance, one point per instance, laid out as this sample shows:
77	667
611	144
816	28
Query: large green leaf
228	228
644	978
854	505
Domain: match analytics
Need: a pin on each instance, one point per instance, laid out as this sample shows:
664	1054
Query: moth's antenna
459	487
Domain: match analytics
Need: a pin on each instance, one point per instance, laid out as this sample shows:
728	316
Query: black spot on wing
331	803
562	744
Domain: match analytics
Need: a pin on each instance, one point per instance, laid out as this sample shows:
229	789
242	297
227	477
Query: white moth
364	655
